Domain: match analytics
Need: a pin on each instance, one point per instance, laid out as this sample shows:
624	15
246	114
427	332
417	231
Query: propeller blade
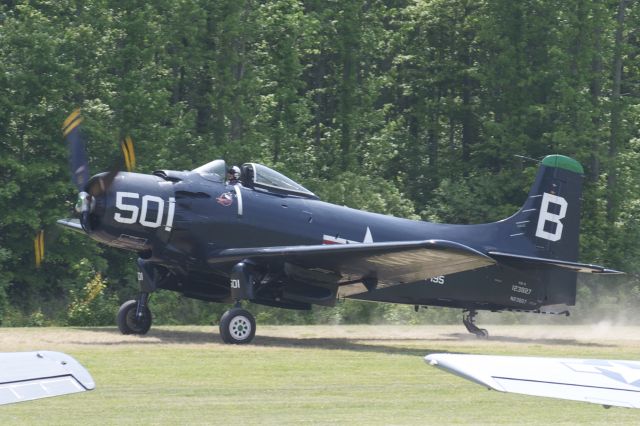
79	162
77	148
129	154
38	247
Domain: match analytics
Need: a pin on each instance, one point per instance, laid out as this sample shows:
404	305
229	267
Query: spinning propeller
89	189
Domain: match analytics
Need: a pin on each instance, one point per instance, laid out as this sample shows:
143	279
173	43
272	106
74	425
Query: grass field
307	374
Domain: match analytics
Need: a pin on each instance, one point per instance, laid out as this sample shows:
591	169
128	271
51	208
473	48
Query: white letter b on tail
547	216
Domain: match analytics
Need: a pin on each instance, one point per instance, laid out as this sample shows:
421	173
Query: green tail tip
563	162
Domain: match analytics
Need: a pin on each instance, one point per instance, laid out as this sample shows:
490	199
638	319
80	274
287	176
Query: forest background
416	108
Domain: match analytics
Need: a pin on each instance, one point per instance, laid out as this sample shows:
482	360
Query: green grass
315	374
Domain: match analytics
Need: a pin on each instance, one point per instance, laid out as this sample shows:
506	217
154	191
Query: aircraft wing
390	263
73	224
605	382
32	375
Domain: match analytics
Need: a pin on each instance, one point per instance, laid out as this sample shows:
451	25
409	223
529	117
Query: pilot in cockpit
233	175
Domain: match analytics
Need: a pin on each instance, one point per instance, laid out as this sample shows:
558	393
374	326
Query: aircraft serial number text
520	289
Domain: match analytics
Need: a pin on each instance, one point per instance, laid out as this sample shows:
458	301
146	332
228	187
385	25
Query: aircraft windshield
215	169
264	177
255	175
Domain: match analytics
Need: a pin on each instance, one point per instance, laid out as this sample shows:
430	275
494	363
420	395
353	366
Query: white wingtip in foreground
604	382
25	376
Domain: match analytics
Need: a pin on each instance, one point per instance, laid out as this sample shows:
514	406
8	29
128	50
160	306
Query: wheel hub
134	322
240	327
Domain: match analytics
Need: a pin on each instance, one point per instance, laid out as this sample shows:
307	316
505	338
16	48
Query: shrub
92	306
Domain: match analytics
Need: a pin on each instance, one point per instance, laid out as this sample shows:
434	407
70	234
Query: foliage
4	282
412	108
92	306
173	308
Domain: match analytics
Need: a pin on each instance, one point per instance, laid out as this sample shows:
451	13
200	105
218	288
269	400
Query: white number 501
134	211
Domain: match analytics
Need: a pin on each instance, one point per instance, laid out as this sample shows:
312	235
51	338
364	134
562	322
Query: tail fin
541	240
548	224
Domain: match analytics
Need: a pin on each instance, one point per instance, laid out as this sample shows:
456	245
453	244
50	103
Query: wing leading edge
25	376
389	263
73	224
604	382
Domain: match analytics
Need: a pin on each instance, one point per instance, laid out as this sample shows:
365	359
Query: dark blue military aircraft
259	236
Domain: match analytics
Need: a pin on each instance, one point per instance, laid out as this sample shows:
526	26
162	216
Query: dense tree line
427	109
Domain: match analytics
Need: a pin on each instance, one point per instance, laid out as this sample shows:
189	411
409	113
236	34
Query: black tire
237	326
127	322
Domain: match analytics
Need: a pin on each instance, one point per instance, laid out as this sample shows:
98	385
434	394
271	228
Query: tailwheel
130	321
468	319
237	326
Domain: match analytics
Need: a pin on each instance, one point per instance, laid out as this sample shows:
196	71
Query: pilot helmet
234	171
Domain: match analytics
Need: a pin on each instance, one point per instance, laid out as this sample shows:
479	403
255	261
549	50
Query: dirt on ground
12	339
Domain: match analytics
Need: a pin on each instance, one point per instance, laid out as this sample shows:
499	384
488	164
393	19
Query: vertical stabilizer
548	223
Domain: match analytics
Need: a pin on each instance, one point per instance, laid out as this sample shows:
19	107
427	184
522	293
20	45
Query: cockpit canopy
254	175
214	170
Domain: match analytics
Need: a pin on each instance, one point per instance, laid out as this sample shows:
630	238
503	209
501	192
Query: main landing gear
237	325
134	316
468	319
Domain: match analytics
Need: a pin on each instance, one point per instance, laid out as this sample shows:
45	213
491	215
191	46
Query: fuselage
146	212
180	219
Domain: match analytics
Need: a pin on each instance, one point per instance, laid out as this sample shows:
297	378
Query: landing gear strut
134	316
237	325
468	319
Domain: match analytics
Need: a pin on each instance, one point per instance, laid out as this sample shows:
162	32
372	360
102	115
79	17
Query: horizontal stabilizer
577	267
604	382
25	376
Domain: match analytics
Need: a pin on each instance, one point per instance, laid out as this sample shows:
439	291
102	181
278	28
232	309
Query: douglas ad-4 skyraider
268	240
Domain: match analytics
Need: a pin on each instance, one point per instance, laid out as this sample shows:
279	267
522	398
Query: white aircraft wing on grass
605	382
32	375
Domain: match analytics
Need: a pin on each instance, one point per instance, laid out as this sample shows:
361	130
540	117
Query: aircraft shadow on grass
356	343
